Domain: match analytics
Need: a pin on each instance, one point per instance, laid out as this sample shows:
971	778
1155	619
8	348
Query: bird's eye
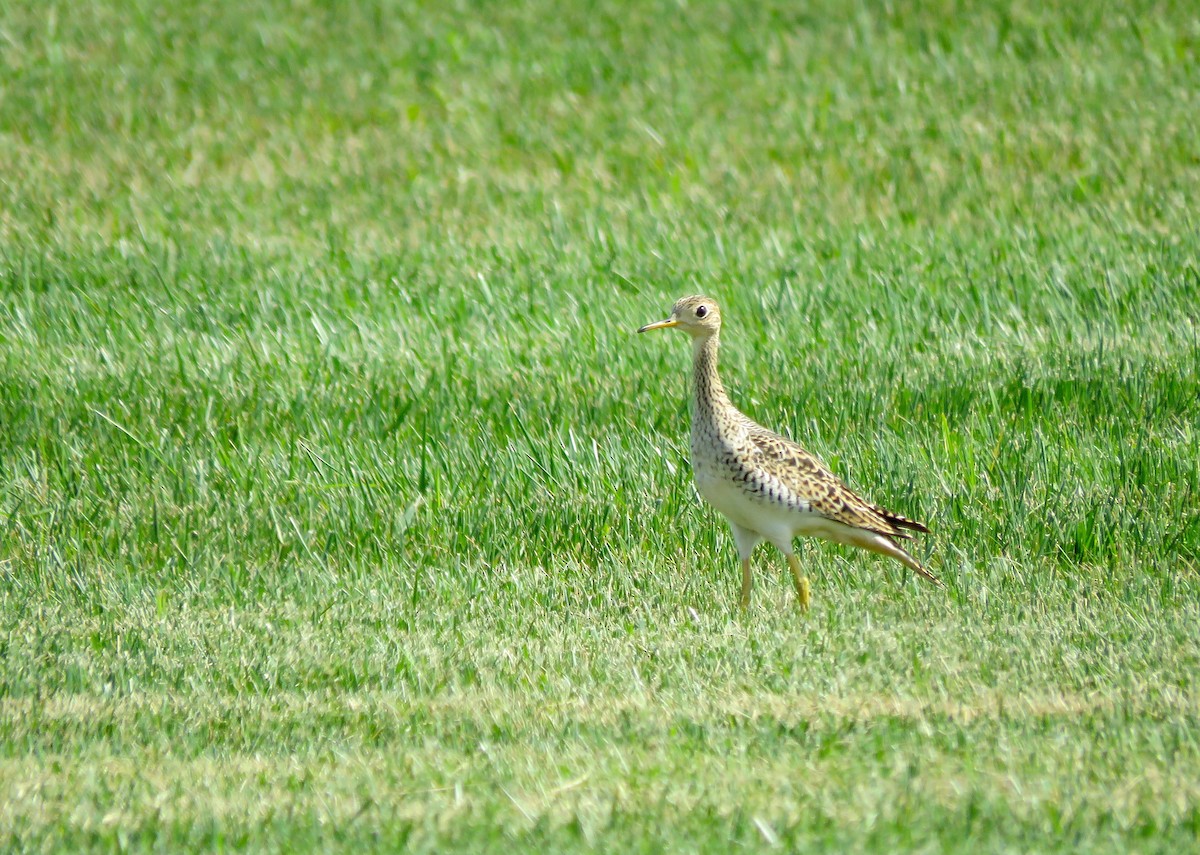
701	311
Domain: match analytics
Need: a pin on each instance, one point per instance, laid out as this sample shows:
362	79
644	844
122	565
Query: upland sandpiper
765	485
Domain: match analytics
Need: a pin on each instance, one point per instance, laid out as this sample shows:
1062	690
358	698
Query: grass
339	505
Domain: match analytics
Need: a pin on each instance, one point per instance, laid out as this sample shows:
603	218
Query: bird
765	485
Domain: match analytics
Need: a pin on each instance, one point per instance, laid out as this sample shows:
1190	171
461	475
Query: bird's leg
747	583
803	589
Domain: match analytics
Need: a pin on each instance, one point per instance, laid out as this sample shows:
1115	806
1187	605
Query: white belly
774	522
758	506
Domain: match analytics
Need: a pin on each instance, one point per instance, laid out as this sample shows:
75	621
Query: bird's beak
659	325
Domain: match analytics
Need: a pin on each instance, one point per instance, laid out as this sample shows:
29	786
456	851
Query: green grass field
341	506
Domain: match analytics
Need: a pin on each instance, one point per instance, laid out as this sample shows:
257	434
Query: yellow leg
803	589
747	583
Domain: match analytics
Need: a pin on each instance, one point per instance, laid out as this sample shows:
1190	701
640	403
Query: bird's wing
809	478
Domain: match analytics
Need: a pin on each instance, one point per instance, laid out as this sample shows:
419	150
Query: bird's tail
918	568
899	520
886	545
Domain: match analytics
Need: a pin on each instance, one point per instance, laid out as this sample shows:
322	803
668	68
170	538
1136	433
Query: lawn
340	505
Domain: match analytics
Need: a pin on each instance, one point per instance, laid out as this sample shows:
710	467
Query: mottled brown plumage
768	487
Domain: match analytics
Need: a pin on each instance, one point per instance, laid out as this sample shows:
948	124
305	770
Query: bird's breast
752	498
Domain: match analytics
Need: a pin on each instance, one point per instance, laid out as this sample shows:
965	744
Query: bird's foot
803	588
803	592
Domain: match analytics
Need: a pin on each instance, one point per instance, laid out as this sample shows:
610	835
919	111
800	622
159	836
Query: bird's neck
708	393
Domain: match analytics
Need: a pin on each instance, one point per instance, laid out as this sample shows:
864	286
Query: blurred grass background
340	506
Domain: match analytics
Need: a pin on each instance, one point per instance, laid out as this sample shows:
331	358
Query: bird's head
698	316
